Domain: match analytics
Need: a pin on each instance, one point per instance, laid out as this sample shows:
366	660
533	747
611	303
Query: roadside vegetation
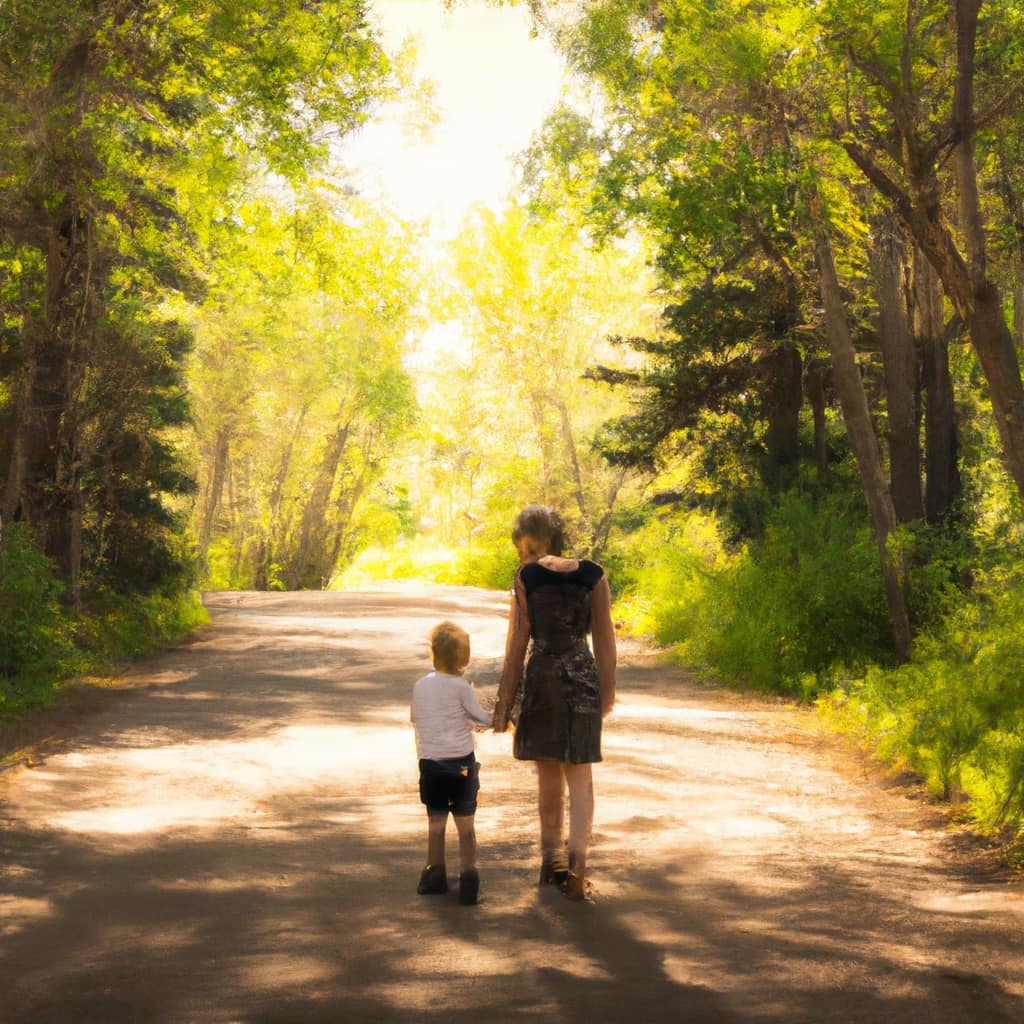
753	323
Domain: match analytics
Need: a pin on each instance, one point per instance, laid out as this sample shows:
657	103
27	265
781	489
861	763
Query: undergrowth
955	713
43	644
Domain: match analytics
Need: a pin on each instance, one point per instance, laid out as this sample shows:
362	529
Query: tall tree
859	428
111	107
704	128
536	300
297	381
924	83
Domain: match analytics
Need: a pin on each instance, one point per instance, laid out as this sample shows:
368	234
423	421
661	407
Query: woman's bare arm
603	635
515	655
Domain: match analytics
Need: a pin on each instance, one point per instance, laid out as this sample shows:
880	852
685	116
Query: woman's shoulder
555	569
590	572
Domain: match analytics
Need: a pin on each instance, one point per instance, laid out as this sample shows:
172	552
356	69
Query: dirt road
235	837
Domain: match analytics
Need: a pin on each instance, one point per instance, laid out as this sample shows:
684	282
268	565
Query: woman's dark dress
560	718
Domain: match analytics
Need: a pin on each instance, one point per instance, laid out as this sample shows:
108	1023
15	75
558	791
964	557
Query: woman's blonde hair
543	524
449	647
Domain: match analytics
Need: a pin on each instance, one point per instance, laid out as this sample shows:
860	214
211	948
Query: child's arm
558	564
473	708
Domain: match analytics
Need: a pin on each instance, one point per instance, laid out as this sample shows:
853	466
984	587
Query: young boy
444	711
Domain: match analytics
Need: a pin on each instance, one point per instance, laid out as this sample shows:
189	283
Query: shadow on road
239	840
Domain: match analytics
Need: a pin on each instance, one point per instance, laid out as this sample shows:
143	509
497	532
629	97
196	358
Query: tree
912	75
512	413
703	138
857	417
115	112
298	383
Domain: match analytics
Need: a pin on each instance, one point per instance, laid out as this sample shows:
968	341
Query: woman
567	691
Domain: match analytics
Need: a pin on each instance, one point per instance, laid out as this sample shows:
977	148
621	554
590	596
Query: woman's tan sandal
554	870
576	888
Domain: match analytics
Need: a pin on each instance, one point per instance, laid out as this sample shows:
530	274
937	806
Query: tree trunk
221	447
814	386
982	305
783	370
857	417
17	463
1018	303
900	364
44	479
537	407
943	485
49	452
604	526
965	277
272	540
305	564
569	443
344	510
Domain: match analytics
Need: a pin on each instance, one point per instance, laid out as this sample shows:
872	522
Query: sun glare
492	84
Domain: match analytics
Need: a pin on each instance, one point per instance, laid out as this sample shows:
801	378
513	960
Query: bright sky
494	85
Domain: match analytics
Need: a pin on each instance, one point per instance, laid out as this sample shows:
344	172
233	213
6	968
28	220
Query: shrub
955	713
776	614
807	596
32	639
42	644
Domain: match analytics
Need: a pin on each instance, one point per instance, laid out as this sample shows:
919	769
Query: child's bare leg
581	814
464	825
550	783
436	824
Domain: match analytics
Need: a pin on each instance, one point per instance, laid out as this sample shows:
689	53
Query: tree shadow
298	903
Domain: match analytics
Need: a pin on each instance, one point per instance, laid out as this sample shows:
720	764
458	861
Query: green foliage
777	614
507	419
664	571
955	714
807	596
32	639
42	643
297	381
425	560
115	627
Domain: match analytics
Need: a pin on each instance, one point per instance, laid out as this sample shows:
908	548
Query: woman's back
559	603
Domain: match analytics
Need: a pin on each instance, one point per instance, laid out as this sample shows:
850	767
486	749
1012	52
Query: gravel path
234	835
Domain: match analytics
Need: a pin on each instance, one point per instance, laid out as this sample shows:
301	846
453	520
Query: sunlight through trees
751	318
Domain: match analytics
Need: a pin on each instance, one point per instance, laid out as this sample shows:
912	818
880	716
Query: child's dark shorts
451	784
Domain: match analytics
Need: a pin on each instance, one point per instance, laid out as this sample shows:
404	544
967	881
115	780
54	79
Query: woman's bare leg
550	803
581	814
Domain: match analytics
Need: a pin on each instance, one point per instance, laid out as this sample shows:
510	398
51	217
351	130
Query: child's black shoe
433	880
469	887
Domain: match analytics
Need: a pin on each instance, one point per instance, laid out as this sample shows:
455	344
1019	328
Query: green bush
778	613
32	635
662	573
42	643
807	596
116	626
955	713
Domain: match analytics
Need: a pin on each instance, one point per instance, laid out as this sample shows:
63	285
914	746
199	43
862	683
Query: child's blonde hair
449	647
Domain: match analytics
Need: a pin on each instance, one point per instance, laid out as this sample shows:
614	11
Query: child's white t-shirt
444	711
